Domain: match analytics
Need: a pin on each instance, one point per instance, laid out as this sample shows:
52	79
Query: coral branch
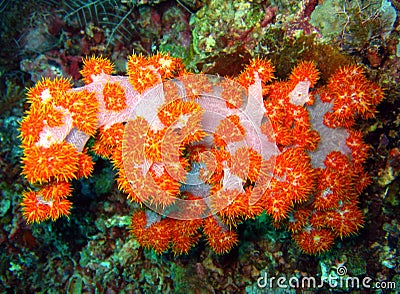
201	151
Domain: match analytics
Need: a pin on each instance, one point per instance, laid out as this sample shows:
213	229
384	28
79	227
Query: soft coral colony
203	153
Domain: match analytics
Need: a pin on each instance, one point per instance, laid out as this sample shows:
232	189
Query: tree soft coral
204	152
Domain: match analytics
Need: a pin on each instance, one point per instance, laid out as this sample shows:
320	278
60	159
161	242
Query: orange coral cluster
315	189
159	143
49	159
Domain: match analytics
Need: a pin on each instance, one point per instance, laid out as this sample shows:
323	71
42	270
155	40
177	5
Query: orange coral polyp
94	66
359	150
56	190
156	236
232	93
345	221
30	128
111	136
125	186
277	206
168	184
84	107
136	61
353	96
298	219
32	210
142	73
166	65
152	148
143	79
55	117
221	240
240	162
228	131
37	209
59	162
60	207
263	67
173	110
305	71
46	90
85	165
314	241
238	208
181	244
114	97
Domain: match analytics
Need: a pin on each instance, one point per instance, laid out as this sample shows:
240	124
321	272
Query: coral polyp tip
114	97
46	93
143	79
220	239
94	66
263	67
32	210
314	241
35	208
85	163
166	65
56	190
58	162
305	71
135	61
